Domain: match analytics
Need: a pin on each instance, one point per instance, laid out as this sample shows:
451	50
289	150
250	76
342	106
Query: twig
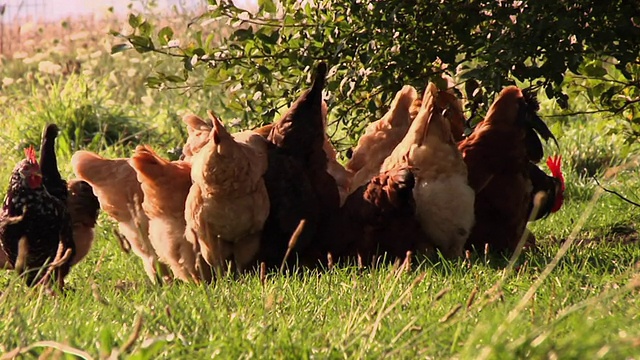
615	193
292	243
134	335
48	344
586	112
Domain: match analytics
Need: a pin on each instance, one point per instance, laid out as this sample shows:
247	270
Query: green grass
583	306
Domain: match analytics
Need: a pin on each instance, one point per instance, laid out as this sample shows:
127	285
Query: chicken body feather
51	178
300	135
82	204
35	226
84	209
378	219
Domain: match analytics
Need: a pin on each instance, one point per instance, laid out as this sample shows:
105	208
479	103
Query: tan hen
228	202
165	185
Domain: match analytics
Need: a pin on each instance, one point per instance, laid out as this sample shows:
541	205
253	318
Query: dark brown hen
297	180
84	209
83	205
291	199
378	218
35	227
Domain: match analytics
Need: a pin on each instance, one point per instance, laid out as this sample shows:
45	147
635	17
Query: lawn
577	296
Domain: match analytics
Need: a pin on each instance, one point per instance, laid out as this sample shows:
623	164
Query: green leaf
115	33
595	68
120	48
135	20
174	78
267	6
165	35
242	34
248	47
142	44
145	29
153	82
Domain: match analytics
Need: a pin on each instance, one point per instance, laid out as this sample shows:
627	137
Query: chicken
82	204
444	199
228	204
338	172
547	194
300	135
453	112
292	199
84	209
115	184
380	138
198	130
35	227
501	155
378	218
165	186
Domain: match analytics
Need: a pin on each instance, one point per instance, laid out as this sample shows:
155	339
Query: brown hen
115	184
300	135
198	130
228	203
500	155
84	209
339	173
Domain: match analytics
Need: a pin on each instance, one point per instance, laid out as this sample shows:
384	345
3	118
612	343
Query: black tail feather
51	177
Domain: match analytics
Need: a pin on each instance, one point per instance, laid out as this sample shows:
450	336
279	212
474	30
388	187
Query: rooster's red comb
30	154
555	165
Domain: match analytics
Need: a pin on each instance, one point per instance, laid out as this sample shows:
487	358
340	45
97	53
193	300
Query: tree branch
615	193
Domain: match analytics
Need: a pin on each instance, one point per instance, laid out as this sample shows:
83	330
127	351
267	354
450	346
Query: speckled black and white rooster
35	226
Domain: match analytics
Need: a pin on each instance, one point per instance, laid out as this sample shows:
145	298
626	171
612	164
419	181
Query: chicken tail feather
320	77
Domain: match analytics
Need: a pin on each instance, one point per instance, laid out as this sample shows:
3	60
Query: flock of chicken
277	195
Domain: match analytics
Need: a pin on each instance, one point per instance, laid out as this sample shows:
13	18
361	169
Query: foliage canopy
375	47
